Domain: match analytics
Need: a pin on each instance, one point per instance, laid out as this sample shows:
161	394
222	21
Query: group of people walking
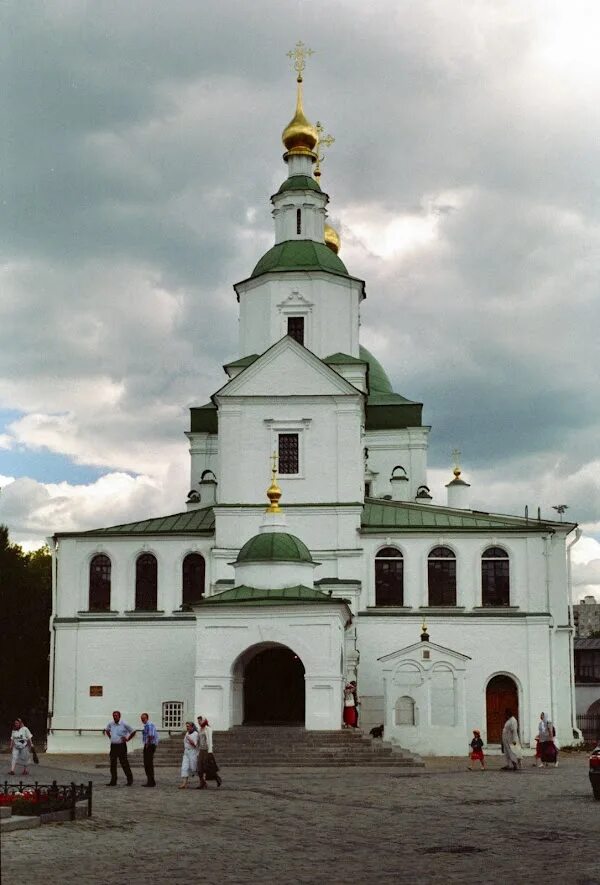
546	752
198	758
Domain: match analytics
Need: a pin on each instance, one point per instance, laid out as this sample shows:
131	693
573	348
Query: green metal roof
381	515
378	379
200	521
274	547
344	359
299	183
243	362
300	255
243	595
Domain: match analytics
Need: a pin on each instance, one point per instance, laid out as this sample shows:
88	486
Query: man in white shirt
120	734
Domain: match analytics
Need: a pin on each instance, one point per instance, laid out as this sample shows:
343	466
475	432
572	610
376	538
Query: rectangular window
295	328
172	714
289	461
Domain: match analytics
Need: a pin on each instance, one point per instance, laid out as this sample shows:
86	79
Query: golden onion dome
300	136
332	239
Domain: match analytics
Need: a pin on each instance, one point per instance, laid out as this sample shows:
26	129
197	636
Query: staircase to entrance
289	747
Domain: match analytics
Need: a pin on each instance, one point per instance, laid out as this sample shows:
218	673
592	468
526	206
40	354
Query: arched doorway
501	694
274	688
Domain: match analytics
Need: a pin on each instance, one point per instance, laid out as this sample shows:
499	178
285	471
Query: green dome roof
299	183
379	383
300	255
274	547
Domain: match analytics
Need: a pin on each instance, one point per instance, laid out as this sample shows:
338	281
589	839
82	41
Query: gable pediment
437	653
287	369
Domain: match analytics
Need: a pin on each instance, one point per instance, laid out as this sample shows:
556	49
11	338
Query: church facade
254	609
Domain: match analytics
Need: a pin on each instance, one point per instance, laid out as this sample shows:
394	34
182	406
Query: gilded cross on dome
324	141
299	54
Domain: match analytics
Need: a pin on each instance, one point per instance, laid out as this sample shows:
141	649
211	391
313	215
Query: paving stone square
432	825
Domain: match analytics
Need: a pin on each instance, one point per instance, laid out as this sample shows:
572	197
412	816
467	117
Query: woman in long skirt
511	743
349	707
189	762
20	745
207	767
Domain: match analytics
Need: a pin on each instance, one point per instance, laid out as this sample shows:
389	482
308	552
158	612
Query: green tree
26	605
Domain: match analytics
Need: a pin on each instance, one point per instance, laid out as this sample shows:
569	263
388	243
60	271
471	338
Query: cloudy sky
141	144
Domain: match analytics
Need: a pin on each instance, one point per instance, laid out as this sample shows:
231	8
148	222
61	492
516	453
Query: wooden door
501	695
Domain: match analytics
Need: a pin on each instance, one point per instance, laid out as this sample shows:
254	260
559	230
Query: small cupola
458	489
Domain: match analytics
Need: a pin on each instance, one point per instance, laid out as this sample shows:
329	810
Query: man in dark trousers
150	742
120	734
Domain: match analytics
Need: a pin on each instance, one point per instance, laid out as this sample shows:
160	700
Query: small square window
172	714
289	456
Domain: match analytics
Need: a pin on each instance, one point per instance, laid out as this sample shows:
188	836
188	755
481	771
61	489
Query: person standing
206	764
189	762
150	741
542	738
550	748
120	734
20	745
511	743
476	754
349	707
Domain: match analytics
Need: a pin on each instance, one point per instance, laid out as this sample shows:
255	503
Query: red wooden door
501	695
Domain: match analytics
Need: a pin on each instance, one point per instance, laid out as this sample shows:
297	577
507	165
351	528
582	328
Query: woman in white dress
189	763
20	745
511	743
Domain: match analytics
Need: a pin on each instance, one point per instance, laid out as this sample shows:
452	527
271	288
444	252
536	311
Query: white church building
254	608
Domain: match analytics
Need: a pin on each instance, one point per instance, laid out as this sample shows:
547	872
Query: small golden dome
332	239
274	492
300	136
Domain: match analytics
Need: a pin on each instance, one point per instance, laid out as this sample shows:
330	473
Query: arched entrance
274	687
501	694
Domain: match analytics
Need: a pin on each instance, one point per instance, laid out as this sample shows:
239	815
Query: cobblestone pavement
438	824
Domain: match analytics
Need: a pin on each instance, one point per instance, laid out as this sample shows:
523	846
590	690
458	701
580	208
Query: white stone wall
330	305
390	448
139	664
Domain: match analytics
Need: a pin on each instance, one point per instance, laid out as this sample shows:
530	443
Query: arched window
146	582
441	576
298	221
99	589
193	578
405	711
389	577
495	577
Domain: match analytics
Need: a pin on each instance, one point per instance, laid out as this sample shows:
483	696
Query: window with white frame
172	714
288	461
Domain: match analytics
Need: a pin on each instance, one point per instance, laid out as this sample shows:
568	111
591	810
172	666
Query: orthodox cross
299	54
324	141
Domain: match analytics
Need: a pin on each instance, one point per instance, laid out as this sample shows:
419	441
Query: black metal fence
57	796
590	726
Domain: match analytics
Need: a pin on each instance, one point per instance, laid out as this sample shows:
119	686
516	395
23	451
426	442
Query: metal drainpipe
53	544
578	533
551	625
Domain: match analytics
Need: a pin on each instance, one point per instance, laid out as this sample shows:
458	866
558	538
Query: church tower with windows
332	579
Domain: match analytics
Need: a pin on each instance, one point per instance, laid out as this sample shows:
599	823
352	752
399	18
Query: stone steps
281	747
18	822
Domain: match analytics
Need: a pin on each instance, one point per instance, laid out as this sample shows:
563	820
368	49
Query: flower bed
41	800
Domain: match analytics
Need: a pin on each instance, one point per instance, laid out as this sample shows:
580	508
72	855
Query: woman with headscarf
207	766
549	748
20	745
511	743
542	737
349	706
189	762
